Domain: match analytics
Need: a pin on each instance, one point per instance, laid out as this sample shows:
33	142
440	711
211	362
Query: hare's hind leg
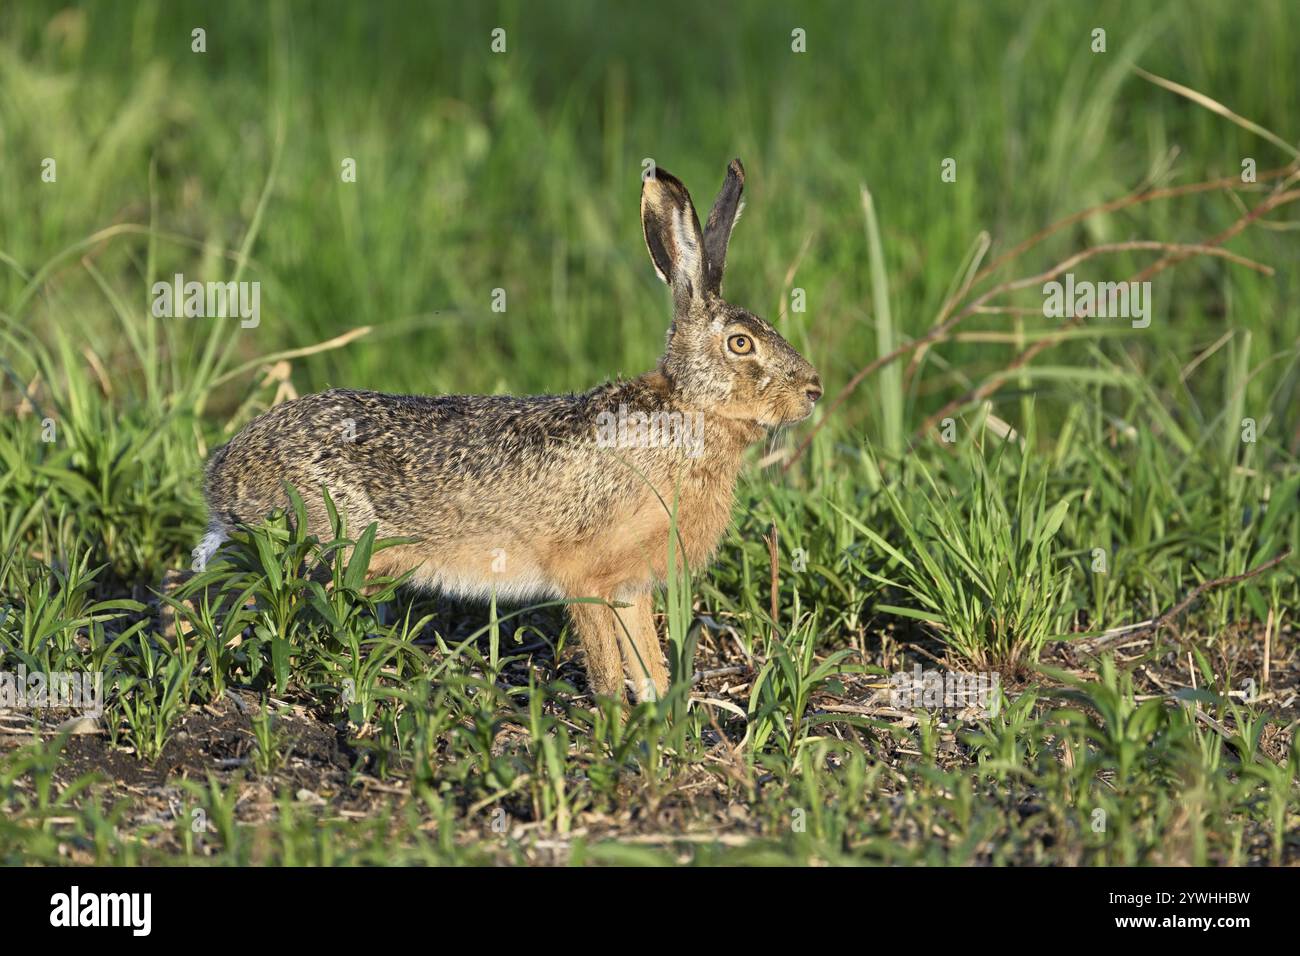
643	658
596	629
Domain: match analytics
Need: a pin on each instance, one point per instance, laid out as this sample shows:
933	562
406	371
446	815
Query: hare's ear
672	234
722	219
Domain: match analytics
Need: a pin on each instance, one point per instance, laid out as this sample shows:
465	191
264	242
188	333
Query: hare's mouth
793	414
805	406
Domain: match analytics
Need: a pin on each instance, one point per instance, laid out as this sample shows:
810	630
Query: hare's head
720	357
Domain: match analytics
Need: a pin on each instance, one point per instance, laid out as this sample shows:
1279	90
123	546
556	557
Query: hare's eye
740	344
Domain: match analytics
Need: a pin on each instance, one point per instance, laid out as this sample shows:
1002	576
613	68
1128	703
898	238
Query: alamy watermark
40	690
133	911
634	429
935	690
1102	300
214	300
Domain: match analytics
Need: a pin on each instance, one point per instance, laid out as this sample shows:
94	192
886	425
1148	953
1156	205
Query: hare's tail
217	535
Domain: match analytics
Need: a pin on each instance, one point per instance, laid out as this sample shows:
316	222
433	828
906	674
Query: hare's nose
814	389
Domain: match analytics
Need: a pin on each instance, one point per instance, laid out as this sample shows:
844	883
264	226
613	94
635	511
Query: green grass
308	719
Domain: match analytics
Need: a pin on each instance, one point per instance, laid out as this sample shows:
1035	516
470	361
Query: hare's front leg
596	630
643	657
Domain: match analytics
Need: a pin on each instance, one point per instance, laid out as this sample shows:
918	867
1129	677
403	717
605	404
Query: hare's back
384	455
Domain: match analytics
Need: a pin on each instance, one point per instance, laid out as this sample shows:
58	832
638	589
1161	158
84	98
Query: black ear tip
659	174
737	169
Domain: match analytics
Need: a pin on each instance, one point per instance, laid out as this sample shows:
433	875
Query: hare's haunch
555	496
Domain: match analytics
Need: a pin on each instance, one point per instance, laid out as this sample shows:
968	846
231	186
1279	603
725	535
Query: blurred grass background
521	171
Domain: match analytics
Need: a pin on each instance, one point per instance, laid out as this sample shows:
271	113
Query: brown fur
519	496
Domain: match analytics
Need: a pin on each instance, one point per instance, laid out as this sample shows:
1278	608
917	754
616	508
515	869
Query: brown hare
551	496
